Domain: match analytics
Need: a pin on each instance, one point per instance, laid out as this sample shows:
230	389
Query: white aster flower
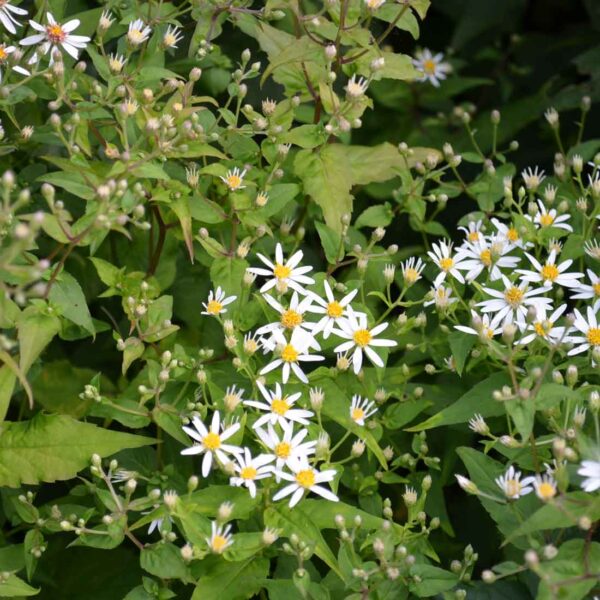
172	37
589	329
116	62
249	470
7	10
511	303
550	273
232	398
291	317
355	88
234	179
589	292
304	479
5	52
473	232
481	326
488	255
533	178
512	486
544	327
549	218
592	249
55	36
210	441
217	301
411	270
374	4
545	487
361	339
590	469
431	67
331	309
361	409
292	353
138	32
441	255
220	538
279	407
283	273
106	20
287	447
441	297
478	425
511	235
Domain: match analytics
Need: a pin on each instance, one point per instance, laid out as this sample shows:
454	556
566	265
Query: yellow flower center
473	236
234	182
486	257
3	52
248	473
362	337
512	488
282	450
281	271
212	440
593	336
334	309
306	478
411	275
550	272
546	491
446	264
513	235
214	307
55	33
170	40
546	220
218	543
291	319
513	296
596	288
429	67
289	353
543	328
279	406
489	333
358	414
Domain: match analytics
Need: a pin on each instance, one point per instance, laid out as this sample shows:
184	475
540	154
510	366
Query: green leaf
55	447
36	330
71	182
460	345
380	215
331	242
164	560
67	294
229	274
13	587
433	580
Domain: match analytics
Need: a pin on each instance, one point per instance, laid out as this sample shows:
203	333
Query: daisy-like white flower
217	301
249	470
5	52
361	409
512	485
116	62
138	32
589	292
533	178
549	218
544	327
234	179
511	234
411	270
331	309
55	36
590	469
592	249
481	326
355	88
550	273
232	398
441	297
291	317
172	37
441	255
361	339
304	479
545	487
488	255
374	4
590	330
210	441
431	67
7	10
511	303
106	20
473	232
292	353
287	447
478	425
220	538
279	407
283	273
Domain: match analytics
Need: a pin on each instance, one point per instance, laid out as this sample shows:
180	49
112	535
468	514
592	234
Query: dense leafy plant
254	345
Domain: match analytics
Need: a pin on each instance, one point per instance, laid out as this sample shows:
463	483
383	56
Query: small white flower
279	407
210	441
589	329
533	178
361	339
291	317
544	327
510	234
374	4
545	487
512	486
361	409
332	310
284	273
590	469
304	479
431	67
441	297
249	470
217	301
482	326
220	538
106	20
473	232
116	62
355	88
138	32
411	270
172	37
442	256
55	36
588	292
478	425
549	218
550	273
5	52
6	15
488	255
234	179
